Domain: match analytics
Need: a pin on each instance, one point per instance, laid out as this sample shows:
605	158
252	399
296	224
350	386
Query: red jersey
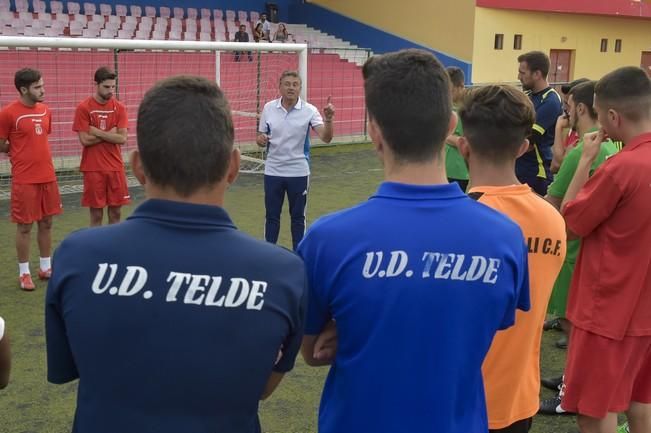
27	129
102	156
572	139
611	288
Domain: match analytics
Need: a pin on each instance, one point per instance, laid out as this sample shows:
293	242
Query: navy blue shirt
172	321
418	279
537	162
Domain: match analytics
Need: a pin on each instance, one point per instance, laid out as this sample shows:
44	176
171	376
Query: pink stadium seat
121	10
89	33
218	14
158	35
205	13
25	16
22	5
108	33
150	11
105	9
136	11
6	16
205	25
90	8
96	18
76	28
241	16
8	31
95	25
189	36
114	19
179	13
193	14
53	32
255	16
191	26
56	7
79	18
129	26
230	15
175	35
142	34
125	34
39	6
62	18
165	12
4	7
205	37
73	8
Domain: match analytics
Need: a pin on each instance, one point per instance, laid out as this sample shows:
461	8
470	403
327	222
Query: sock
45	263
23	268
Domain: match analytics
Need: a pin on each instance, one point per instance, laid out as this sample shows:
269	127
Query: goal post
68	65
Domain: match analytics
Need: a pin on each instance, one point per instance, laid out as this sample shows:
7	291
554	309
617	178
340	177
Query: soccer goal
248	74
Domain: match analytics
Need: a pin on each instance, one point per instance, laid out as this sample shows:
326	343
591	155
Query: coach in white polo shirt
285	129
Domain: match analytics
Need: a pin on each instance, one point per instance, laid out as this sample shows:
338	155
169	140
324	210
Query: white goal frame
301	50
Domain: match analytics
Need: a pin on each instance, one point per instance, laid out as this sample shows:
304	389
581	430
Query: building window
517	42
499	41
618	45
604	45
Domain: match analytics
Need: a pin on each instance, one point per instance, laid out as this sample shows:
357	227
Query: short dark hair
457	77
536	61
289	73
565	88
26	77
496	120
185	134
104	73
408	96
627	90
584	94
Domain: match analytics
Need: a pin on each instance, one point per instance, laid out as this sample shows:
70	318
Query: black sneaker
553	383
552	406
562	343
552	324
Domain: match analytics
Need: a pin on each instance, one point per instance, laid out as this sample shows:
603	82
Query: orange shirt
26	129
102	156
512	367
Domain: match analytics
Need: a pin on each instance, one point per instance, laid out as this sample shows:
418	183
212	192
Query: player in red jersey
24	128
101	122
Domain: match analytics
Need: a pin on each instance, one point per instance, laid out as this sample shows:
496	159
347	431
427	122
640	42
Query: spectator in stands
534	167
122	296
608	366
266	27
24	128
258	34
414	318
281	34
284	129
5	355
242	36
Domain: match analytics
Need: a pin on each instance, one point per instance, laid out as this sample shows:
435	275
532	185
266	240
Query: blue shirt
418	279
289	137
172	321
536	163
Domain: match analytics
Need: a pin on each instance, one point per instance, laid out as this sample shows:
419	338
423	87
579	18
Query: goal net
248	74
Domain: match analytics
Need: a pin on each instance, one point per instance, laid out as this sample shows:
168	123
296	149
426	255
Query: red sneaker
26	282
44	275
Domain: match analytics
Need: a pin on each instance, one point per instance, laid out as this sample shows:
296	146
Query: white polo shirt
288	150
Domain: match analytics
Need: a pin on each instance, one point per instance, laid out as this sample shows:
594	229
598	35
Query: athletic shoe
552	324
552	406
45	275
562	343
553	383
26	282
623	428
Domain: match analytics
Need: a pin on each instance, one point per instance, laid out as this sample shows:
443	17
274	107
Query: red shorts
604	375
32	202
105	188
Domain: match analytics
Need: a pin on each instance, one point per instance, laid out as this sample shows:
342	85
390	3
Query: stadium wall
545	31
444	28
